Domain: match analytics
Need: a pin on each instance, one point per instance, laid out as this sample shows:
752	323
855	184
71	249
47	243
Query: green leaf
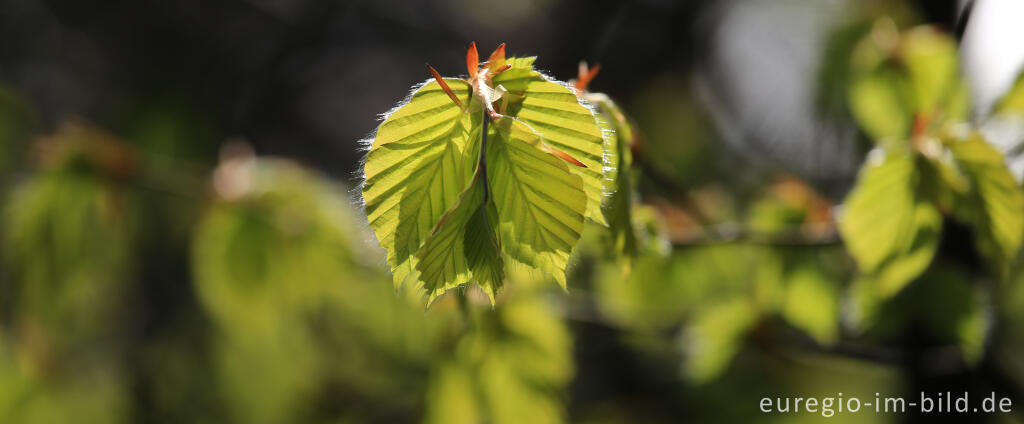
416	169
519	75
651	298
464	247
930	58
618	134
877	102
1013	101
878	211
812	303
553	111
250	380
445	232
540	203
54	221
918	252
716	335
994	206
450	396
277	246
888	227
511	367
944	301
896	78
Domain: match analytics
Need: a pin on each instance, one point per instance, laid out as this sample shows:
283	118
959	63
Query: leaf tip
497	57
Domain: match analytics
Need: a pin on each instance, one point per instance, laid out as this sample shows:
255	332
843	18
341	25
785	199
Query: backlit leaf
554	112
994	207
510	367
464	247
540	203
888	228
901	79
540	174
716	335
416	169
1013	101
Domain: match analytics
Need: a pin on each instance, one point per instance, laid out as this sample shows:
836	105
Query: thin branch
482	160
810	234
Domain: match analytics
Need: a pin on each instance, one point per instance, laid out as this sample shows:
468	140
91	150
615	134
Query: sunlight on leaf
715	336
512	365
541	172
994	208
891	232
416	169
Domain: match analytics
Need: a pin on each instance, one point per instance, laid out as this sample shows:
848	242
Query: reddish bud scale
472	60
444	86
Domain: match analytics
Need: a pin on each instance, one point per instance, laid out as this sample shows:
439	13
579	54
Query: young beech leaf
448	200
899	80
618	184
554	112
540	202
416	169
994	207
890	230
464	247
619	237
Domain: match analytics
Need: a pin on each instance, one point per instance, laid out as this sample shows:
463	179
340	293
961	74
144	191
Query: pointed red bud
472	60
586	75
444	86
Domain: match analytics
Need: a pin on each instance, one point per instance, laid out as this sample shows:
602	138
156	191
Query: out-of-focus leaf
278	243
994	206
716	335
878	102
661	291
789	206
879	210
952	309
651	298
65	288
930	58
511	367
650	230
258	389
618	134
899	77
92	396
767	217
916	255
812	303
278	266
889	229
879	92
802	286
1013	101
451	397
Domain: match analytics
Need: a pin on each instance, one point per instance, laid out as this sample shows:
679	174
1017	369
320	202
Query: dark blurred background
731	100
